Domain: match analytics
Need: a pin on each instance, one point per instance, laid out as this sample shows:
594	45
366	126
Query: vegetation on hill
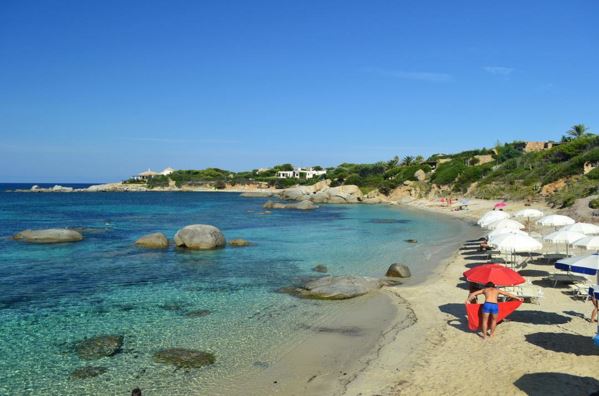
506	171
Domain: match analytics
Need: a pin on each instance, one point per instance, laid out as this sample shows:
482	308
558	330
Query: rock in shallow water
398	271
335	287
239	243
200	237
88	372
51	235
303	205
184	358
198	313
320	268
99	347
156	240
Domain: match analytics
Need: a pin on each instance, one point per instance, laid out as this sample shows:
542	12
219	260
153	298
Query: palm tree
407	160
578	130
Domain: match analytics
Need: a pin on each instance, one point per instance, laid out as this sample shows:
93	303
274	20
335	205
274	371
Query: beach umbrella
583	228
500	231
566	237
496	273
464	202
555	221
529	213
515	243
588	264
492	216
505	223
589	242
500	205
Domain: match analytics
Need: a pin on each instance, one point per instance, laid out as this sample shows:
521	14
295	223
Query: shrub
387	186
446	173
594	174
157	181
594	203
220	185
353	179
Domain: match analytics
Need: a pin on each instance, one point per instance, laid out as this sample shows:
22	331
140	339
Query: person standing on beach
490	306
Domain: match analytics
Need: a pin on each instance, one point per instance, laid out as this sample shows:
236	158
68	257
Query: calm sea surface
52	296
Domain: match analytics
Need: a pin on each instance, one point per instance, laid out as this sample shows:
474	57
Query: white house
167	171
300	173
145	175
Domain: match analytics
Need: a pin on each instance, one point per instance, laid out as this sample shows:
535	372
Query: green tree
578	130
407	160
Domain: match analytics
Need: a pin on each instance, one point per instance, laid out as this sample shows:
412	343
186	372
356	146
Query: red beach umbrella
496	273
500	205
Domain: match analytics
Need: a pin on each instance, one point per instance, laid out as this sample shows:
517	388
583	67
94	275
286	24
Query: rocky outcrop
99	347
200	237
335	287
156	240
184	358
87	372
420	175
398	271
51	235
338	195
239	243
303	205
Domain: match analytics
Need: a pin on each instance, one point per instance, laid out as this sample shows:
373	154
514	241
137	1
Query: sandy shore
542	349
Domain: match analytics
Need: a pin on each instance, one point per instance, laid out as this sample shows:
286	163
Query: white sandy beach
541	349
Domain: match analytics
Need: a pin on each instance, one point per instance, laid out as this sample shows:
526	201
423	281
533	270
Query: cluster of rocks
302	205
321	192
194	237
104	346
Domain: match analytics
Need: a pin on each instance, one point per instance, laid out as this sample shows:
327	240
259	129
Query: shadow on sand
530	272
538	318
556	384
563	342
459	320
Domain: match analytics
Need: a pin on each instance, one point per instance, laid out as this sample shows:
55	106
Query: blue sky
99	90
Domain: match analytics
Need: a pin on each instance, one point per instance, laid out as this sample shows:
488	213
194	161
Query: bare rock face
200	237
256	194
398	271
336	287
156	240
51	235
420	175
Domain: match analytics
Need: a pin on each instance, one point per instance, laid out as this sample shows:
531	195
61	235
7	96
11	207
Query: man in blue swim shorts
490	306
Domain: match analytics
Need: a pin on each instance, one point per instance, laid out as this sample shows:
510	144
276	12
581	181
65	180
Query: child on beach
490	306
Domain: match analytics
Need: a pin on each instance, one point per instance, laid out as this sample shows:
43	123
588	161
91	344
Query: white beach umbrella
555	221
566	237
590	243
505	223
501	231
515	243
492	216
529	213
583	228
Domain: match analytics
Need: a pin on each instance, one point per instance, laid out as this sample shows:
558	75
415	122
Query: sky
94	91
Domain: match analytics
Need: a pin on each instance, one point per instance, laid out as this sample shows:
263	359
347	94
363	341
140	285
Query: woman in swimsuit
490	306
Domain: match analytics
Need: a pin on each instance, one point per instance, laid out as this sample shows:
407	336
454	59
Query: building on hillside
145	175
167	171
530	147
589	166
300	173
262	170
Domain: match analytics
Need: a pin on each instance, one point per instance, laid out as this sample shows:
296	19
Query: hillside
555	172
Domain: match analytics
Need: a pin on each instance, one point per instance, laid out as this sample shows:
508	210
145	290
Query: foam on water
54	296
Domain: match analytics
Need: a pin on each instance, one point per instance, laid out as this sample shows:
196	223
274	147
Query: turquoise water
52	296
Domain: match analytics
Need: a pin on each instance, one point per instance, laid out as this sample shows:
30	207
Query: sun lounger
526	291
565	278
580	290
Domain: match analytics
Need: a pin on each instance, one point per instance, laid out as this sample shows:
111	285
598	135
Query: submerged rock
239	243
198	313
99	347
335	287
303	205
51	235
156	240
87	372
184	358
398	271
320	268
410	241
200	237
256	194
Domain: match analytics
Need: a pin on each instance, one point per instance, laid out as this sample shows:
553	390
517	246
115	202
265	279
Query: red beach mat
474	312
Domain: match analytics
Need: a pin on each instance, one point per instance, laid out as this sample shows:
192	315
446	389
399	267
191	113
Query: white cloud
499	70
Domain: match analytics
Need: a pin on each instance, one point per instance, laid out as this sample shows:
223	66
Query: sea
54	296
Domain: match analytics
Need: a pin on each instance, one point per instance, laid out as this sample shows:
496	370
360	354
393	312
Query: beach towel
475	314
